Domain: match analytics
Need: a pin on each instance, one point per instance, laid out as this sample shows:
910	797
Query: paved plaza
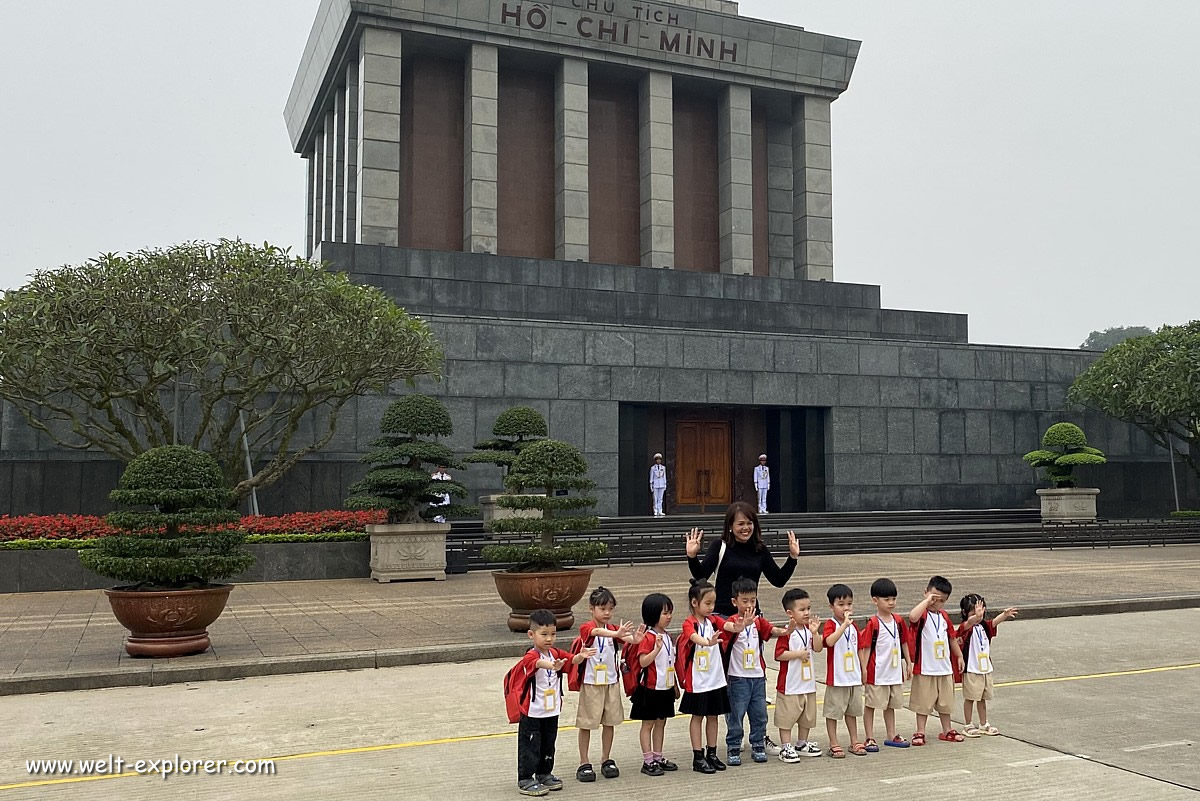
73	639
1088	708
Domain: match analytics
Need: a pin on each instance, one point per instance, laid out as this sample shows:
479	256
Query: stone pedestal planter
490	510
1068	504
527	592
409	551
168	622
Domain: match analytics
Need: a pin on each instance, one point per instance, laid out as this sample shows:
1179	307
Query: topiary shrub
171	544
515	429
1072	451
550	466
399	479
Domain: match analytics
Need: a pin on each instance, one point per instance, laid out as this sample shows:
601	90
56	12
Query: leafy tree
171	545
399	480
1153	383
92	354
1072	451
548	465
1103	340
515	429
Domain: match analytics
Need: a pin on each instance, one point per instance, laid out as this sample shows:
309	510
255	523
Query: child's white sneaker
772	748
810	749
788	753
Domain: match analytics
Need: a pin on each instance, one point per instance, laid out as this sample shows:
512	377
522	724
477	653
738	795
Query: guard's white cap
762	456
658	456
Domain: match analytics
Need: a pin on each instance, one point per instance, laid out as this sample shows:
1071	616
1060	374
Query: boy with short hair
933	672
796	690
534	687
747	674
885	652
843	676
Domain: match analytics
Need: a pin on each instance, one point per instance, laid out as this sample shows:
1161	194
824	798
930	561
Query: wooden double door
703	462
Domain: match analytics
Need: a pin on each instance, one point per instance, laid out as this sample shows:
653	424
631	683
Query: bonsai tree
399	479
1064	448
551	467
177	542
516	428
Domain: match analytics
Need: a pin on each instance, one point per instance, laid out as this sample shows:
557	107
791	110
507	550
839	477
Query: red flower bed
85	527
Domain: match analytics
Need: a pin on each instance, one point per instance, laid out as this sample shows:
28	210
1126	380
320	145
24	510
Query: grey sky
1033	164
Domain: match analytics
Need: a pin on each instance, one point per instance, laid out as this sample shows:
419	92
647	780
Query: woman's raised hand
793	545
693	542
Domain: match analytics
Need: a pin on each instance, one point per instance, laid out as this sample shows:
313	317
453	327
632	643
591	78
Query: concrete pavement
1089	708
70	640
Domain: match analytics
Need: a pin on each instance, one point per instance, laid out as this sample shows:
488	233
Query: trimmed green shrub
182	487
1186	514
399	480
550	466
515	429
251	539
1059	465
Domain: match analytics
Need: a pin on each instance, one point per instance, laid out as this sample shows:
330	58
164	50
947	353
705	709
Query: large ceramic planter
527	592
168	622
409	551
490	510
1068	504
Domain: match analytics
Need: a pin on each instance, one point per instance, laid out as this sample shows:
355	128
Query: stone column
736	180
339	160
329	142
318	188
571	161
377	194
812	189
350	179
779	199
310	172
479	142
657	153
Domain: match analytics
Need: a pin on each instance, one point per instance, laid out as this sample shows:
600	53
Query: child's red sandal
952	736
918	738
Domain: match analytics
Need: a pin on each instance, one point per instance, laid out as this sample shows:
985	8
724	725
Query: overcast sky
1033	164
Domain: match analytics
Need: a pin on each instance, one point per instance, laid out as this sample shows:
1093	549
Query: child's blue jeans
746	696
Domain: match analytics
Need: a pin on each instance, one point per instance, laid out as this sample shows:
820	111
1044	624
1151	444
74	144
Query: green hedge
1186	514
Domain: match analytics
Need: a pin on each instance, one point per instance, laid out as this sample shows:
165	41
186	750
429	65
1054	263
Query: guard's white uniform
441	476
762	483
658	486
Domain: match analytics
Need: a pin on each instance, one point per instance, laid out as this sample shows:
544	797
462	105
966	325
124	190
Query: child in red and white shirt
843	672
884	650
747	674
796	690
933	646
975	636
654	697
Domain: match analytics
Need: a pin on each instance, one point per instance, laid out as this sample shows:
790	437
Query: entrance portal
704	460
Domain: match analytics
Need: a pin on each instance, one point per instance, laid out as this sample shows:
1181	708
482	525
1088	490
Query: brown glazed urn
527	592
168	622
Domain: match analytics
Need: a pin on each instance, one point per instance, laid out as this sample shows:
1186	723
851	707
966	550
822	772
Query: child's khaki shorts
977	686
792	710
600	705
841	702
932	694
884	696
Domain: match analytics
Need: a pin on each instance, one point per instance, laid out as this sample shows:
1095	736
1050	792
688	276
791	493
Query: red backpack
575	672
632	672
516	695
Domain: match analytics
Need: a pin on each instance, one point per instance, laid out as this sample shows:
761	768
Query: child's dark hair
839	591
698	590
883	588
967	604
542	617
653	605
793	597
744	586
602	596
941	584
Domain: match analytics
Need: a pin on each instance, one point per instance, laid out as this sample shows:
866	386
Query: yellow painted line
366	749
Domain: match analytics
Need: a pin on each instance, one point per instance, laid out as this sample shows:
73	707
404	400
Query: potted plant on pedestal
515	429
537	578
1064	447
409	545
170	553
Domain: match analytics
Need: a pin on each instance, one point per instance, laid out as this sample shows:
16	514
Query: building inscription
634	24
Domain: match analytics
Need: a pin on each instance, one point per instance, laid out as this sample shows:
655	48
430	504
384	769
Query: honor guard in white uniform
762	482
441	475
658	483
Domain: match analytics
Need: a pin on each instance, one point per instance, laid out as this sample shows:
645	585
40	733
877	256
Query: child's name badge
749	659
550	699
702	660
939	649
670	678
983	660
806	673
601	673
848	663
895	657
